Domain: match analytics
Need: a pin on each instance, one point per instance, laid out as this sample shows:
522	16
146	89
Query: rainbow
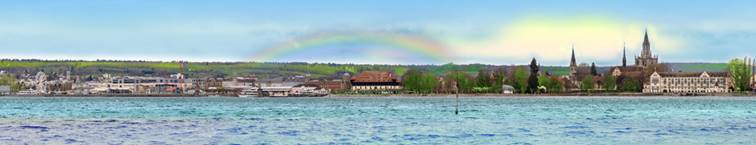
418	45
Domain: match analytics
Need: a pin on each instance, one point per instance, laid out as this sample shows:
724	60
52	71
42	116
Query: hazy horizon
377	32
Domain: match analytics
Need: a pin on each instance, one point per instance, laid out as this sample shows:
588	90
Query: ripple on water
378	121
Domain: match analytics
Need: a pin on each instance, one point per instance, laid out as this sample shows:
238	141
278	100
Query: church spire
646	58
572	60
624	55
646	52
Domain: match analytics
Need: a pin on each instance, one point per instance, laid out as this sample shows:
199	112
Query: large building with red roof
375	80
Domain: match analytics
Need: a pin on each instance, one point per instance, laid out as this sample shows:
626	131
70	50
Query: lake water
382	120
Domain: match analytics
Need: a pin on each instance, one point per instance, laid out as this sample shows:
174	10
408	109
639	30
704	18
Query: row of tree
522	79
741	71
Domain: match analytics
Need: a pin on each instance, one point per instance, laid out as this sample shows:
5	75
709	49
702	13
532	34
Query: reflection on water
392	120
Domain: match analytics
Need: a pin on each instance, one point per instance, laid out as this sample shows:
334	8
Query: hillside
217	69
267	69
698	67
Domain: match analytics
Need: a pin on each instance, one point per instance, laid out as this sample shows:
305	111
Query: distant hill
698	67
218	69
271	69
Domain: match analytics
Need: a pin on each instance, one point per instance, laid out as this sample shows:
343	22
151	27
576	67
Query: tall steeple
573	63
646	58
624	56
646	52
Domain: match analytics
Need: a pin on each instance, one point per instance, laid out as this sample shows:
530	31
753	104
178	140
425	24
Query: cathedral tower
646	58
573	63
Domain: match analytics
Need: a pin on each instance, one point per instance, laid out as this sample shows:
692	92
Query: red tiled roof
692	74
374	76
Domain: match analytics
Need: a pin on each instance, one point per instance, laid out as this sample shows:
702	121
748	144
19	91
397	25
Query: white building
308	91
143	85
696	83
275	91
507	89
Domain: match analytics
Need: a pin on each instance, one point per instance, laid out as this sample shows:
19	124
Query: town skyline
376	32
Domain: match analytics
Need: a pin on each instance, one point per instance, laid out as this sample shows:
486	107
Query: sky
500	32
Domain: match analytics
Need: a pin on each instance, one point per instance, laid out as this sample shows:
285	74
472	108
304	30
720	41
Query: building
507	89
308	90
144	85
688	83
577	73
275	91
753	82
376	81
237	84
646	58
330	84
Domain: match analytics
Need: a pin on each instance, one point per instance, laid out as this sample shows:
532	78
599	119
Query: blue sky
476	31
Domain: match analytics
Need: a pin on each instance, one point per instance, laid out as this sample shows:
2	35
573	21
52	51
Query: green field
698	67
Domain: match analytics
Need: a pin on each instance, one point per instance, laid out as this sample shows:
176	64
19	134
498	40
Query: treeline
741	71
489	80
523	79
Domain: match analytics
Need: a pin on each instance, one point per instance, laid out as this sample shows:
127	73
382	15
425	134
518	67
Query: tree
741	74
520	81
419	81
610	83
484	81
631	85
465	84
587	83
593	69
552	84
500	77
533	78
543	80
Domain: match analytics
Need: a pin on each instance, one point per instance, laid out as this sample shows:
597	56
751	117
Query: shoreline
421	95
548	95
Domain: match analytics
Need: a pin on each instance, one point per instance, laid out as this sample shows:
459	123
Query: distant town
647	76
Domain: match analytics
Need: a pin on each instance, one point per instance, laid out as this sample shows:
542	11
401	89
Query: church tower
624	56
573	63
646	58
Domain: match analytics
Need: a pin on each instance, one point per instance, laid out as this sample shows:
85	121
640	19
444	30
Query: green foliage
610	83
466	84
700	67
587	83
632	85
484	79
520	80
556	70
500	77
533	78
400	71
227	68
485	82
419	82
552	84
741	74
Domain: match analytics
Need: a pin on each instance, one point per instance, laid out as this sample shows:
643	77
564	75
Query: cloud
595	38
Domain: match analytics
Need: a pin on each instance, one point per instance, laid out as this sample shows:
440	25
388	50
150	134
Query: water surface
381	120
